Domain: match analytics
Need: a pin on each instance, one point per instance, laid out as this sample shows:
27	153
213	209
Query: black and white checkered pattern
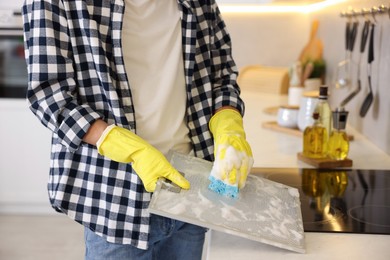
77	75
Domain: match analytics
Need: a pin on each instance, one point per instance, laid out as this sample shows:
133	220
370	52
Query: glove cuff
103	136
227	121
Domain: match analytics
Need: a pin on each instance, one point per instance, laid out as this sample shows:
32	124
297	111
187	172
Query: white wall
277	40
267	39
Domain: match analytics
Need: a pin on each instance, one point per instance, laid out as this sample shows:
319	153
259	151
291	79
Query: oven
13	69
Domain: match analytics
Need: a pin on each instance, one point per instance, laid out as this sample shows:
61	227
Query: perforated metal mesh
265	211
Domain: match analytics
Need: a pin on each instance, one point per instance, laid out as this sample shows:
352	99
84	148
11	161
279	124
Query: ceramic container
308	102
294	95
288	116
312	84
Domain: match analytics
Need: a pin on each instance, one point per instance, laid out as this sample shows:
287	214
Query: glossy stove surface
346	201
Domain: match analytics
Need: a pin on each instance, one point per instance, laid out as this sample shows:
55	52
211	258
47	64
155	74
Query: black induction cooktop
338	200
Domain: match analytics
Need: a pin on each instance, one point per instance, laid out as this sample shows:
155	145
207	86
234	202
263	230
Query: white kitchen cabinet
24	159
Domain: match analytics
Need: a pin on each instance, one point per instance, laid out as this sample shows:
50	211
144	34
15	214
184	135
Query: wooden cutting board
314	48
325	163
273	125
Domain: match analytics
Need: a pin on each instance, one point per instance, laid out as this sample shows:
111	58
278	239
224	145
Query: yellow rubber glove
122	145
233	155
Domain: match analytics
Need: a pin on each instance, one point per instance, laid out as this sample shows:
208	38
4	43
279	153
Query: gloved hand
122	145
233	155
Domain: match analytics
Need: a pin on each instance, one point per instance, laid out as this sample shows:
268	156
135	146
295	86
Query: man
120	83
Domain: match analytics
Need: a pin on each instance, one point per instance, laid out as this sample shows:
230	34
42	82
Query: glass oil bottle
315	139
324	110
338	144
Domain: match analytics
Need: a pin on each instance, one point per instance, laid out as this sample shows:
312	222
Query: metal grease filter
265	211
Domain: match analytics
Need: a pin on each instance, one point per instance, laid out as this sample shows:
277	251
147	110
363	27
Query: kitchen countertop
279	150
273	149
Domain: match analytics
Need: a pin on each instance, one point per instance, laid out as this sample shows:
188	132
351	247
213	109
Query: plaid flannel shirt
77	75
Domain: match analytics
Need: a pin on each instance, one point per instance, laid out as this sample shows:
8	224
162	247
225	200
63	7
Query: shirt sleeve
52	89
225	88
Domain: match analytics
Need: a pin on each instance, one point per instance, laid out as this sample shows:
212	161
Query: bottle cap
340	118
323	92
316	115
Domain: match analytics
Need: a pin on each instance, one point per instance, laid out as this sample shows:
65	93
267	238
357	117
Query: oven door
13	69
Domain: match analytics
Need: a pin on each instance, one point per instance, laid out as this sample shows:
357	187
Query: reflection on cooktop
337	200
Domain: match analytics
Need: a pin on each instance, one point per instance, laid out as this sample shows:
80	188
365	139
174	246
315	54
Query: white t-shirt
152	49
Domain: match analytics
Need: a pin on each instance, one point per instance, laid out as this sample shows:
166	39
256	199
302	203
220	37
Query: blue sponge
222	188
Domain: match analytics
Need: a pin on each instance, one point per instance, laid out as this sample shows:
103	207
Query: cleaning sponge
222	188
230	169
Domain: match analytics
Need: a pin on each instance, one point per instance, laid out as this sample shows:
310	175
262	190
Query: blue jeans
168	239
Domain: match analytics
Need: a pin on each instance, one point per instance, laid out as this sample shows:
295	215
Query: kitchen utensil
306	72
363	42
370	96
314	48
341	79
296	74
346	67
265	211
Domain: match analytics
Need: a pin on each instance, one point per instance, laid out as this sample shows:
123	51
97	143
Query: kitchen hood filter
265	211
